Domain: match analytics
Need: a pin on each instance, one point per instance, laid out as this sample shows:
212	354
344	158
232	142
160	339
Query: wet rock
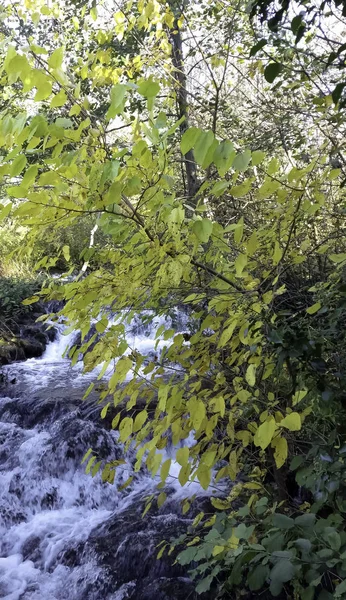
49	500
178	588
126	547
31	548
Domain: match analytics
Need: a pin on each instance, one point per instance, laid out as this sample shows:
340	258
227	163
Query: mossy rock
19	349
10	351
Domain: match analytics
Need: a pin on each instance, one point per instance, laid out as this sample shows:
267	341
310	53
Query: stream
63	534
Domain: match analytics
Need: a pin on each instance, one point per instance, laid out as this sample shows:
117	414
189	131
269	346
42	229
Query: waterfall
63	534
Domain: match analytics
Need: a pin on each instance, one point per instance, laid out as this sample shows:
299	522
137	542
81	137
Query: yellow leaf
298	396
277	254
244	437
55	60
182	456
251	244
204	475
227	334
292	422
280	451
161	499
233	471
217	405
264	433
240	264
165	469
184	474
250	375
238	233
125	428
217	550
197	411
140	420
314	308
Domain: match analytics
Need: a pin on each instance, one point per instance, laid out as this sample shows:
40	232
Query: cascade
63	534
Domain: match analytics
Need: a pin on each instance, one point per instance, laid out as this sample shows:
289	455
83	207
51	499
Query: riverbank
21	337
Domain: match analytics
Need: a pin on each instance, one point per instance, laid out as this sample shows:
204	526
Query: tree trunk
190	166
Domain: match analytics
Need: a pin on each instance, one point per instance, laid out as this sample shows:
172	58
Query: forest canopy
175	154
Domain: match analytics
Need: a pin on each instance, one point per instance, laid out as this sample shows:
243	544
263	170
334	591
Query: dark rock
126	546
31	548
177	588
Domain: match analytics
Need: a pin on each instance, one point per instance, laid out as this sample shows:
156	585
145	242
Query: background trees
208	149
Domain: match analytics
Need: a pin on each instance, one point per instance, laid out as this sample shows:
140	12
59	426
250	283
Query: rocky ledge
29	340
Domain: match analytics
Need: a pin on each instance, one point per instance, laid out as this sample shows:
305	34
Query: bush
12	292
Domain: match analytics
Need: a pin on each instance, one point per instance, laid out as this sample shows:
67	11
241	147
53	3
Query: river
63	534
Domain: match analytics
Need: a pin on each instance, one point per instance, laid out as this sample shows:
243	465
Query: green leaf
240	264
242	161
219	188
96	468
341	588
110	171
257	578
59	99
306	520
277	255
238	191
282	521
314	308
308	593
257	47
203	228
55	60
204	584
187	555
118	92
202	145
296	462
282	572
30	176
333	539
5	210
337	258
272	71
296	23
224	156
257	157
189	139
44	89
18	165
149	88
66	253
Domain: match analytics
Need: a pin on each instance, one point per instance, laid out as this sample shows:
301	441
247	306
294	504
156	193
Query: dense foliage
165	154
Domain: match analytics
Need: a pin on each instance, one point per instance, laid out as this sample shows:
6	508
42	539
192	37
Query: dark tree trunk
190	167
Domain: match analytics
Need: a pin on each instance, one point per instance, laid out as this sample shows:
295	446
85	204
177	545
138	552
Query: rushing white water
63	534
